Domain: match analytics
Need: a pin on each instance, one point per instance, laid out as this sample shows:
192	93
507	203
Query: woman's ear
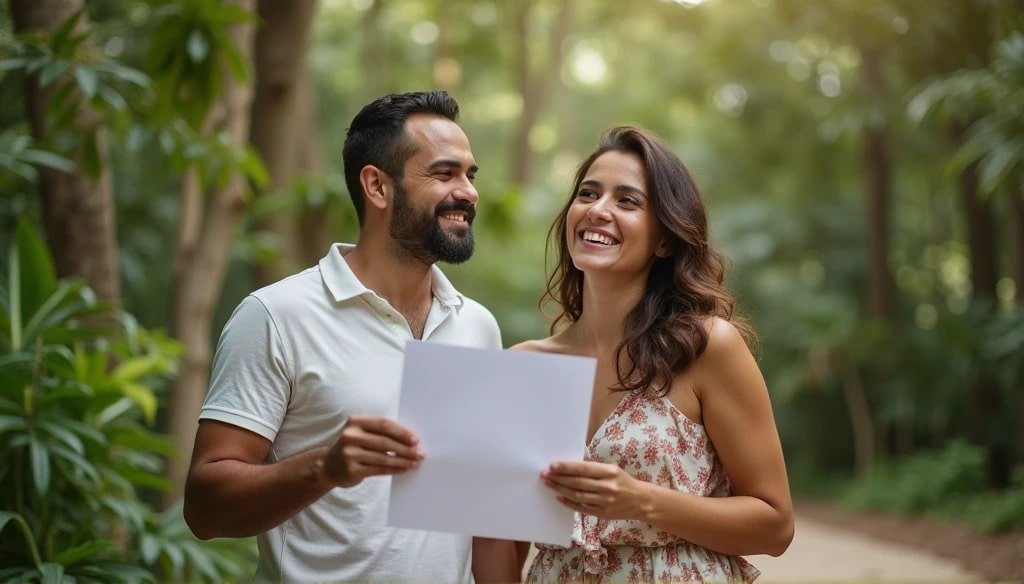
375	183
663	250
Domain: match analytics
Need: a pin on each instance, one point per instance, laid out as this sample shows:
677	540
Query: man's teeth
597	238
454	216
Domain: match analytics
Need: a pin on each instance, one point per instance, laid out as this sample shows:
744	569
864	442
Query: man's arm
232	492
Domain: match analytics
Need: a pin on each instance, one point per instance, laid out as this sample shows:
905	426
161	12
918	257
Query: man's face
435	202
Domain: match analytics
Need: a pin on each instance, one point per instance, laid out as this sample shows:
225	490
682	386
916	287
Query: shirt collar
343	284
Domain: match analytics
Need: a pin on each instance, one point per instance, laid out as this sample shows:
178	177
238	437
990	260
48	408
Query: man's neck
403	282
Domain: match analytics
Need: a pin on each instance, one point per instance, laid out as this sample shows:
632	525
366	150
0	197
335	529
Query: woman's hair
665	331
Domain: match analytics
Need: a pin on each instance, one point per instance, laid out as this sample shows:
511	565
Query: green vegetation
863	163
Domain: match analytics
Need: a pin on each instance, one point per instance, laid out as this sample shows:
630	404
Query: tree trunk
280	58
315	237
981	240
877	197
77	208
375	52
1015	236
207	253
534	87
986	407
860	415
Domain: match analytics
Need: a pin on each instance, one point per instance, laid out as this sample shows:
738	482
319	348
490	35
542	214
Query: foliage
946	483
76	400
993	97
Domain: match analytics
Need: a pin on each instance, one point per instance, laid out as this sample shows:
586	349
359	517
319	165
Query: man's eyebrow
450	163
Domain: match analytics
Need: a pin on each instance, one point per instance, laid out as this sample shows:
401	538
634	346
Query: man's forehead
437	136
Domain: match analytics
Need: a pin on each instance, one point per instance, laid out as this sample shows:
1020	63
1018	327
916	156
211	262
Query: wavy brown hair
665	331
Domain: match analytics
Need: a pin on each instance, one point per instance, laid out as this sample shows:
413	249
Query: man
296	440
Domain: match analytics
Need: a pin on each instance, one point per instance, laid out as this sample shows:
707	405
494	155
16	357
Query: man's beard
421	235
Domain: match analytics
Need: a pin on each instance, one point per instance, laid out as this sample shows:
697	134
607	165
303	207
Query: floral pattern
651	439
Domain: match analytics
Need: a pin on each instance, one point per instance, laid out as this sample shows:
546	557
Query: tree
77	206
209	214
534	83
282	98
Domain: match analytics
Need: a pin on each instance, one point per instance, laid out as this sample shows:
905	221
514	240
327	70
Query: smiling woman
684	470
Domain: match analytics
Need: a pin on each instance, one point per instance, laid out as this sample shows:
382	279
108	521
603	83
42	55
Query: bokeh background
863	164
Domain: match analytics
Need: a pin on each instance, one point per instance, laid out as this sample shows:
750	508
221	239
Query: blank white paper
489	421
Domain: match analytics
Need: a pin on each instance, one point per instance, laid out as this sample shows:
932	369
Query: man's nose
466	192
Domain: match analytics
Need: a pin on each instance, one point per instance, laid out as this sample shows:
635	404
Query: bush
947	483
78	456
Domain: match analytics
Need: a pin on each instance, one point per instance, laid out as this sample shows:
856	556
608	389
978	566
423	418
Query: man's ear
376	187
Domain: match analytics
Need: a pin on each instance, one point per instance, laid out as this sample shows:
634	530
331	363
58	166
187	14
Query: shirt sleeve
250	382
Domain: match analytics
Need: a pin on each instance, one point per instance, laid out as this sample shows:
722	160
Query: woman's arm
758	516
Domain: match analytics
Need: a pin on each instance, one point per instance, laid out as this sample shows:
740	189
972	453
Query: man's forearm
231	498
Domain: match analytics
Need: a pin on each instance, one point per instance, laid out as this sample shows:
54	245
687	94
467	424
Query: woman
684	471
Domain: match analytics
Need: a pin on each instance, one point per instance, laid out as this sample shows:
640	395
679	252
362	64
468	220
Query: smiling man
297	441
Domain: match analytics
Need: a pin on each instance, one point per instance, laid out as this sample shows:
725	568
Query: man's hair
377	136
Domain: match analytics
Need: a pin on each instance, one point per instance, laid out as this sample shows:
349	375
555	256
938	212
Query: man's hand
603	490
370	446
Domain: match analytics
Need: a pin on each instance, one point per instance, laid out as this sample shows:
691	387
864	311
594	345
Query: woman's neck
606	303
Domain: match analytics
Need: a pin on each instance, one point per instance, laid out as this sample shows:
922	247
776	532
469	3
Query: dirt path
820	552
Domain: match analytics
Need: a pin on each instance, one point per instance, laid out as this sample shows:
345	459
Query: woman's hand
603	490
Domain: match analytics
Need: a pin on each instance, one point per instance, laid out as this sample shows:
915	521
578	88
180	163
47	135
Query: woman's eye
585	194
629	201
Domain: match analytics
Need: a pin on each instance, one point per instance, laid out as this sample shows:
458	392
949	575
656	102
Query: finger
580	483
379	443
374	470
386	427
578	507
589	469
576	495
370	458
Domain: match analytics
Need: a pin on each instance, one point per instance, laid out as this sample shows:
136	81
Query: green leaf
197	46
40	457
51	573
150	548
37	278
51	71
9	423
113	99
143	396
48	159
126	74
87	550
113	411
253	166
59	38
63	435
133	368
87	81
30	540
997	165
14	63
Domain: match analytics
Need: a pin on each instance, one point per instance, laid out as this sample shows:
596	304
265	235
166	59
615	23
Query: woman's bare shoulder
552	344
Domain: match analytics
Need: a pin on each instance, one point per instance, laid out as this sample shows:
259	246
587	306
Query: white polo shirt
295	360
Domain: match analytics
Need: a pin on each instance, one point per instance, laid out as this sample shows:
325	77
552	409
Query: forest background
863	163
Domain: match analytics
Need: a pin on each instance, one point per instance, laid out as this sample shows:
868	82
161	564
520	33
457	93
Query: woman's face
611	225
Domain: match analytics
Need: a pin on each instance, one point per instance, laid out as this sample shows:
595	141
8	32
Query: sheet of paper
489	422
